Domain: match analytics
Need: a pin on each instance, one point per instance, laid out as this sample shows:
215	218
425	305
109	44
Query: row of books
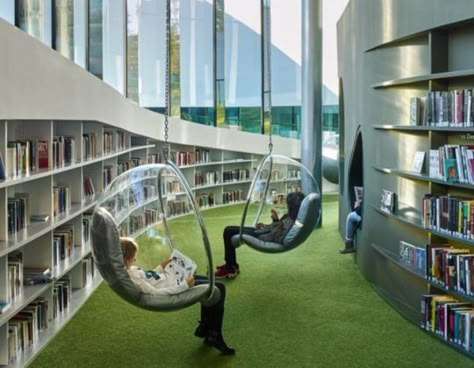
61	200
83	274
108	142
413	257
206	178
443	108
24	157
64	151
15	276
452	163
448	214
153	158
121	140
450	319
205	199
202	156
173	186
450	268
232	196
184	158
126	165
18	208
25	326
89	189
63	243
88	146
86	226
107	175
235	175
177	207
62	290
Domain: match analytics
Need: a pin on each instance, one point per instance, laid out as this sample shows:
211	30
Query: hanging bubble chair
276	177
154	205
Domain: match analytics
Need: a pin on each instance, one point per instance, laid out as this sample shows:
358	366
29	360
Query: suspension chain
268	65
167	77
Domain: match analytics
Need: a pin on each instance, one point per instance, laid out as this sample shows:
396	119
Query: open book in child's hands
182	266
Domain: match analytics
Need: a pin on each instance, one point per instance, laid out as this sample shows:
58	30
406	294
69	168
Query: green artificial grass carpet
306	308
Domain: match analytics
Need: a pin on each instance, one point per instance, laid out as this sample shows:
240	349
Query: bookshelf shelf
420	177
78	298
416	222
425	78
414	129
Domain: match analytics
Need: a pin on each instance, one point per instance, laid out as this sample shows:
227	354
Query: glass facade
63	39
196	64
94	33
243	65
146	52
35	18
113	47
216	61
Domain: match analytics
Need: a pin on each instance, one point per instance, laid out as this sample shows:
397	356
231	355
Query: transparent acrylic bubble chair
275	178
154	205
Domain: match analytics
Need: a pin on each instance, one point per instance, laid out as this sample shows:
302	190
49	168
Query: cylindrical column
311	84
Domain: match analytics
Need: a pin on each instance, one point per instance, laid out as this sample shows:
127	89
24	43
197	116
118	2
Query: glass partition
34	17
243	71
197	70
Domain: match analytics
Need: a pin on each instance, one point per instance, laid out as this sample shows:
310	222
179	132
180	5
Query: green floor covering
307	308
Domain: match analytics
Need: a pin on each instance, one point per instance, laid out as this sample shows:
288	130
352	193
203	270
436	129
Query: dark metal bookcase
388	53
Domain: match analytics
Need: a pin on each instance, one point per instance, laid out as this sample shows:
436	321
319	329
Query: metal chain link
268	47
167	77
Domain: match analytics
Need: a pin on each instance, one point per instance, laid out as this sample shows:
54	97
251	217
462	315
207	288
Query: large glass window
114	44
197	73
80	32
64	27
35	18
243	70
95	38
7	10
286	67
146	52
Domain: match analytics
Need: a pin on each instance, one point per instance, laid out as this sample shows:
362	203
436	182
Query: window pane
80	32
286	67
146	52
95	38
34	17
243	64
64	27
114	44
197	74
7	10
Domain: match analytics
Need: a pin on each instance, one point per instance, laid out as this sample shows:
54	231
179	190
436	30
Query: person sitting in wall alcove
353	220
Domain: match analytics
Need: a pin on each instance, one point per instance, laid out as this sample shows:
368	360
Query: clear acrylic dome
277	176
154	205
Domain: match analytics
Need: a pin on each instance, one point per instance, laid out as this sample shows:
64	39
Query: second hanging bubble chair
275	181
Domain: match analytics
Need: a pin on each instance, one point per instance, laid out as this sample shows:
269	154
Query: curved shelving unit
425	78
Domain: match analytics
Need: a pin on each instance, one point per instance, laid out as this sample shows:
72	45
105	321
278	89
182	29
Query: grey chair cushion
306	221
109	261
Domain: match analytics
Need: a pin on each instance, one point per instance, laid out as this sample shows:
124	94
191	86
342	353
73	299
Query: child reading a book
162	282
353	220
274	232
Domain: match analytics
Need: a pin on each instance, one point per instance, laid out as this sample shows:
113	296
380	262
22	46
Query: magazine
387	202
181	266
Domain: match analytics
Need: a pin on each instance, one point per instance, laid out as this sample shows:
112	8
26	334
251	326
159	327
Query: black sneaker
201	330
217	341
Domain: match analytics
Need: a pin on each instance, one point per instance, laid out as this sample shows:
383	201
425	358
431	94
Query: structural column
311	84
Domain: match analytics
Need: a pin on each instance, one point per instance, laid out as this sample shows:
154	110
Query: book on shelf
416	110
358	193
39	217
2	168
417	163
43	154
451	170
387	201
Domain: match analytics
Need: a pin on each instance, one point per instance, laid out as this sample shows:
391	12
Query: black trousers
212	315
229	250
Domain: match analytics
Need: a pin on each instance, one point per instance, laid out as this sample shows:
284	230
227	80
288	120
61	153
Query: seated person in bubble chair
273	232
161	282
